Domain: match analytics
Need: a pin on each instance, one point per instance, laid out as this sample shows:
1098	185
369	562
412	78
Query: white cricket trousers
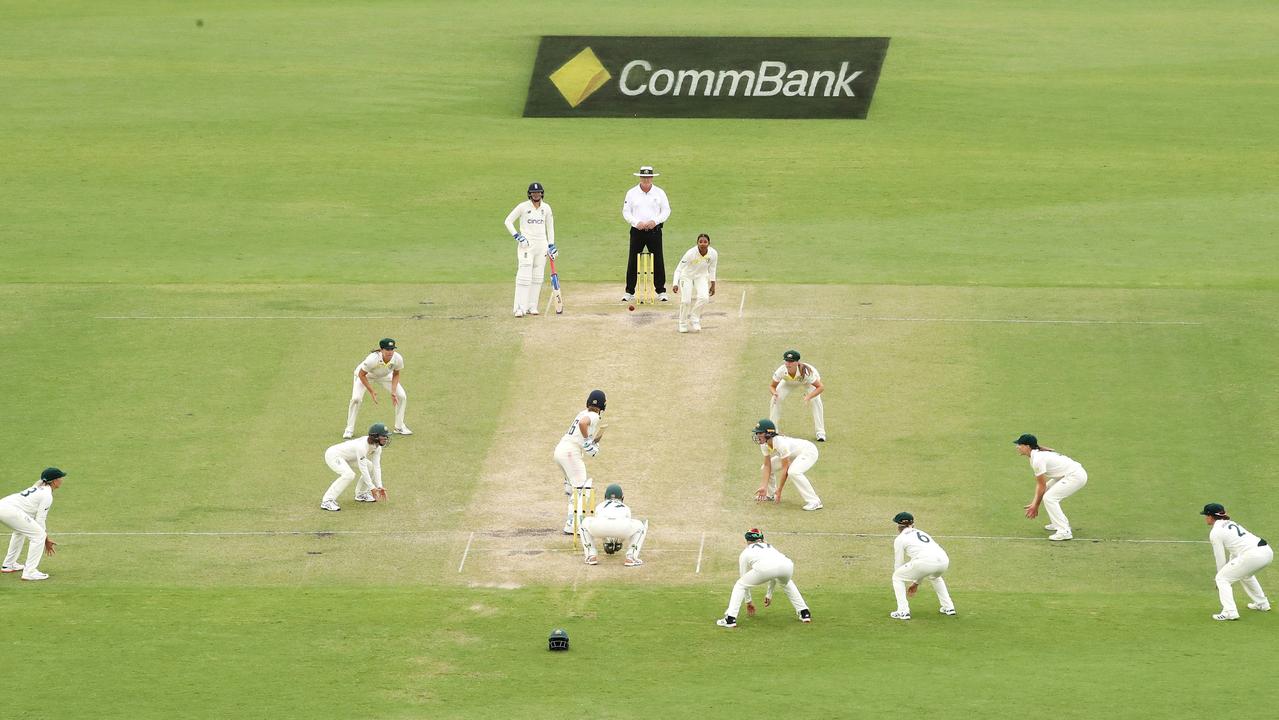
357	397
629	528
24	528
570	457
819	411
694	293
346	474
1242	569
760	575
1059	490
797	477
916	570
529	272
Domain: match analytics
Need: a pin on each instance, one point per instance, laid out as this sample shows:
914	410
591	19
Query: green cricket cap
902	518
51	474
791	356
1213	509
1027	439
386	343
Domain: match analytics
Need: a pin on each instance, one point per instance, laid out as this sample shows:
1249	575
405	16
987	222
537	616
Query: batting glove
519	238
590	448
551	252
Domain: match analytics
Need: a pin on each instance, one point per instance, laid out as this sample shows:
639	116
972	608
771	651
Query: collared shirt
366	456
612	509
785	446
916	545
640	206
1052	464
805	374
592	426
377	369
1229	537
759	554
695	265
34	501
536	223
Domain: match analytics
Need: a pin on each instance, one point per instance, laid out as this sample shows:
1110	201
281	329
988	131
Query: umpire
646	209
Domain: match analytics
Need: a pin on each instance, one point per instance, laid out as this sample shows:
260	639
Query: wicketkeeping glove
519	238
551	252
590	448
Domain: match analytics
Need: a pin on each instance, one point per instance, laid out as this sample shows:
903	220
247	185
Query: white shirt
759	554
612	509
575	430
785	446
694	265
1052	464
34	501
367	456
916	545
640	206
536	223
805	375
377	369
1227	537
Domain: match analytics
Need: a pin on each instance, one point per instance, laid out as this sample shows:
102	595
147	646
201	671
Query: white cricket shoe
20	566
348	434
899	614
663	298
568	529
1059	536
633	561
1218	616
592	560
727	622
365	497
519	312
1262	607
1050	527
947	611
628	297
533	311
697	326
330	506
821	438
683	328
403	430
813	506
33	575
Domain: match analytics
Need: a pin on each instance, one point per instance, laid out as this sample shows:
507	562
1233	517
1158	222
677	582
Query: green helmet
379	430
904	518
558	639
765	426
613	491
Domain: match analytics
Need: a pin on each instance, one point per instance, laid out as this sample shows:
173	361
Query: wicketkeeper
612	521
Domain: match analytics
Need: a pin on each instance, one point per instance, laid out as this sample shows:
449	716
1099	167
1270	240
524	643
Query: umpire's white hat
646	171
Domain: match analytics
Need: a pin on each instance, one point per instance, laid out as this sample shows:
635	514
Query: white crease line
742	307
466	551
259	317
698	571
1011	321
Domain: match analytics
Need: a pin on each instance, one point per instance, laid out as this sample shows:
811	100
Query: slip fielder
785	458
1247	554
762	564
382	366
796	375
534	243
612	519
1057	477
26	512
578	441
364	453
694	282
917	556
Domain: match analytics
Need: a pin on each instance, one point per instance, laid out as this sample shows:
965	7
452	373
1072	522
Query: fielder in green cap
796	375
26	512
917	556
363	453
762	564
1057	477
1239	555
381	366
612	521
785	458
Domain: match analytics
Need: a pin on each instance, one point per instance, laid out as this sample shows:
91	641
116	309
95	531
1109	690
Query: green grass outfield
1059	218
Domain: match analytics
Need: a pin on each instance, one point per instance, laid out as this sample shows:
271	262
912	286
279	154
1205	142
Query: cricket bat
556	297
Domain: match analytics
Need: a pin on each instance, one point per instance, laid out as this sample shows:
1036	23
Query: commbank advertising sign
692	77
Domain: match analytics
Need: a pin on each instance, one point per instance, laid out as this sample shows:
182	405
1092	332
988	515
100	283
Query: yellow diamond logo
578	78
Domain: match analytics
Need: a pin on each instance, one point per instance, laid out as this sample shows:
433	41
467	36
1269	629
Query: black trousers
652	241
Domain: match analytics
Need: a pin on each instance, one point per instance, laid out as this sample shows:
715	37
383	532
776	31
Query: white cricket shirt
377	369
366	456
805	375
1052	464
593	424
612	510
640	206
916	545
785	446
35	501
1228	538
694	265
536	223
759	554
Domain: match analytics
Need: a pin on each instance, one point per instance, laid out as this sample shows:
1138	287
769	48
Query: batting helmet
596	400
766	427
535	188
386	344
558	639
612	545
613	491
379	430
754	535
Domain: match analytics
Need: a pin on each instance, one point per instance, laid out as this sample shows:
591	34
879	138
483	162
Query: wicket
645	292
583	502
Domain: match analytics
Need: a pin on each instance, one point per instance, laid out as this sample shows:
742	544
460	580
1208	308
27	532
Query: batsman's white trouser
798	467
917	570
781	572
819	411
530	271
1242	569
570	458
629	528
24	528
357	397
694	293
345	475
1059	490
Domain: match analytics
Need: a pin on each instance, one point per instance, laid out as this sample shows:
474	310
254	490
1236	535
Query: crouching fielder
579	441
1057	477
785	457
25	512
366	454
382	366
760	564
1247	554
694	282
916	556
613	519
